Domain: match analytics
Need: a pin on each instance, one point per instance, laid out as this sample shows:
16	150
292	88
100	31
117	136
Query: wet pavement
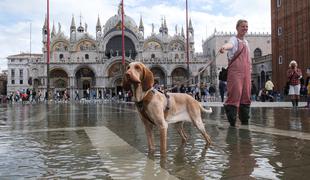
107	141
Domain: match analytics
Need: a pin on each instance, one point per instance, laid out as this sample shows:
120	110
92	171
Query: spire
73	27
45	22
80	28
176	29
190	27
141	27
59	27
98	22
165	29
162	25
53	33
165	24
182	32
98	26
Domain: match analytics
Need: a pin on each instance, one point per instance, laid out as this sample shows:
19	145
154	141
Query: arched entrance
59	80
114	47
179	76
159	76
36	84
85	80
115	74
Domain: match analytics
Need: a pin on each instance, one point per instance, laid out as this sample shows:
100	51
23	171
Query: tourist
294	75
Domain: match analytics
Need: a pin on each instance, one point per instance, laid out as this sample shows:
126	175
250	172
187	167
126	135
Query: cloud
206	15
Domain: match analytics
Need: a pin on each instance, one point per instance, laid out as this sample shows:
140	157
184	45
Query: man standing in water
238	76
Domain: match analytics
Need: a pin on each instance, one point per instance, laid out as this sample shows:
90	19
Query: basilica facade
82	61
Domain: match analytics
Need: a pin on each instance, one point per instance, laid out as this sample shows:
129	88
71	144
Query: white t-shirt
234	41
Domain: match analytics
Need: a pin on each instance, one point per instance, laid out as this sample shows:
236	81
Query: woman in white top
238	75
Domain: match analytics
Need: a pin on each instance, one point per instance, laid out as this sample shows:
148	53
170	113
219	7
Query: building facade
290	23
81	61
18	77
260	46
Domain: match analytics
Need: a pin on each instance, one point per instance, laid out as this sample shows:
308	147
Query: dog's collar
140	103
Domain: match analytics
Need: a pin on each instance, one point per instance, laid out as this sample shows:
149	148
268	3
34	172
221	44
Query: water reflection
239	149
33	144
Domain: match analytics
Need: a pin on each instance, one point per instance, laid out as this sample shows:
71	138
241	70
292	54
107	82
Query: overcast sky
17	16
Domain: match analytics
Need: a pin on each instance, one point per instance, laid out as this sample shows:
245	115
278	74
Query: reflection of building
3	82
260	45
81	61
290	23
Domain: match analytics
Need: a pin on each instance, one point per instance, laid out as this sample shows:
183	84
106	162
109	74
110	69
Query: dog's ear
148	79
126	83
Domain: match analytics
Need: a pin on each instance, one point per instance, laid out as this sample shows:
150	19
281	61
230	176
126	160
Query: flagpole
123	36
187	48
48	51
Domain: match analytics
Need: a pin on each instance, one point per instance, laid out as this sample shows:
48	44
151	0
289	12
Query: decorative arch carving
86	45
177	46
152	45
60	45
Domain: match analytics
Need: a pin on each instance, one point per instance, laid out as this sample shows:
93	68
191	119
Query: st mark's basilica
81	61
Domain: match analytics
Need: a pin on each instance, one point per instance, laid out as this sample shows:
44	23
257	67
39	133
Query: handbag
287	88
287	85
224	71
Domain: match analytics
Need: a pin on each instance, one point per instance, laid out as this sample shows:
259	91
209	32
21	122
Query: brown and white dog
159	109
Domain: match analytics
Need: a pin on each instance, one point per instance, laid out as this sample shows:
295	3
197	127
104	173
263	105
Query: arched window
257	52
153	56
86	56
61	56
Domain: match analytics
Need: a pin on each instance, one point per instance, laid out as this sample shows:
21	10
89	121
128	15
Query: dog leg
179	128
163	140
149	134
200	126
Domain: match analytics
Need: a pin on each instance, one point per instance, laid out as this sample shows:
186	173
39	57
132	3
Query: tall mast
123	35
48	50
187	44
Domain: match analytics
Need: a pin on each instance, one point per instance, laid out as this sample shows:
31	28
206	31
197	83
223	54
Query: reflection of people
294	75
238	76
239	148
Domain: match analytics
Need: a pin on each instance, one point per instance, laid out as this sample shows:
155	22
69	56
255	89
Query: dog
160	109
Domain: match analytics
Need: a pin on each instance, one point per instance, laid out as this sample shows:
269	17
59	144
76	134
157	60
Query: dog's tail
207	111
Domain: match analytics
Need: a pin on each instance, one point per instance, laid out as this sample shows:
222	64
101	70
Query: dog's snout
127	74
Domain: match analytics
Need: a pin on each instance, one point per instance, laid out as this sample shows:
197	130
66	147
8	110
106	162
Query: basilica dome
115	22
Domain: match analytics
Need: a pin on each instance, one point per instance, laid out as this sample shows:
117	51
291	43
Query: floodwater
107	141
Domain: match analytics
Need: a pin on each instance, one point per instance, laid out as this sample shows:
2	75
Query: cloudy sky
20	17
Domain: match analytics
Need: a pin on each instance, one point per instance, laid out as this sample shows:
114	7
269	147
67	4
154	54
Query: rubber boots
244	114
231	113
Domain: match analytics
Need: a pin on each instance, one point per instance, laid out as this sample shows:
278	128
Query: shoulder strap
236	55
